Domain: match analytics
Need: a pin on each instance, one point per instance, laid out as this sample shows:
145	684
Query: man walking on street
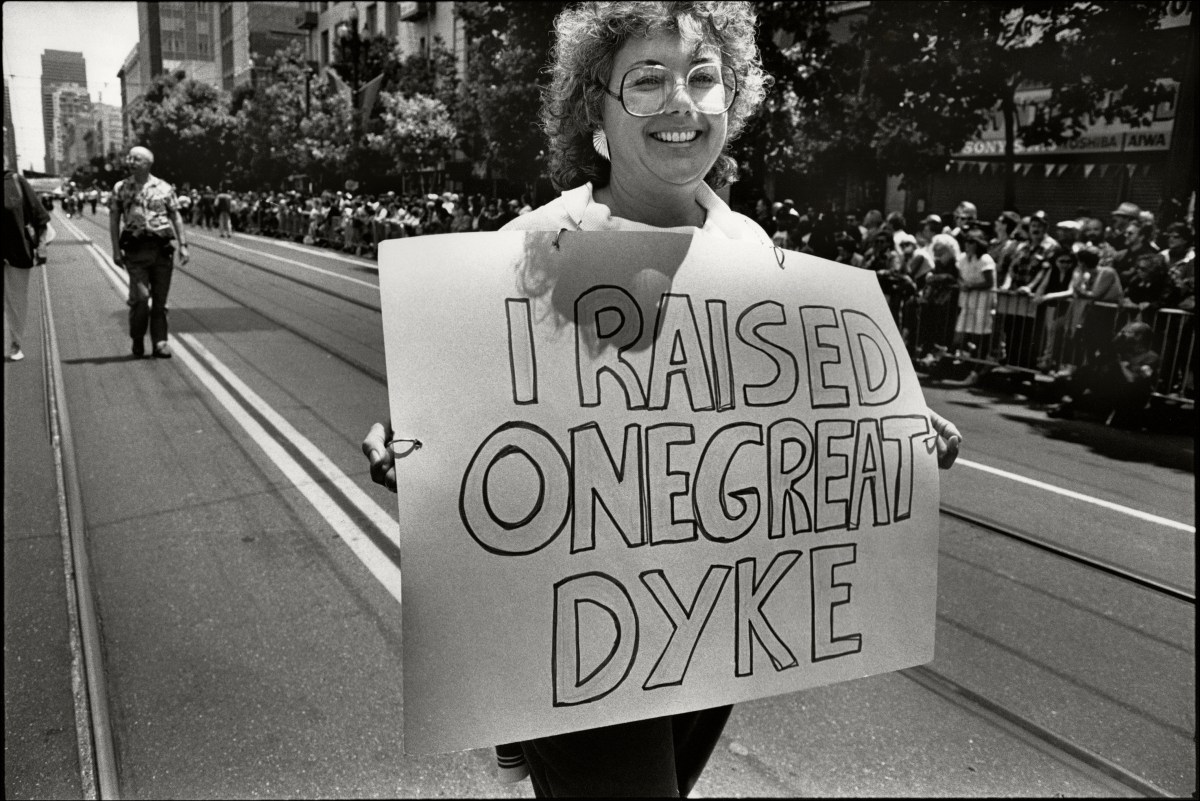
145	226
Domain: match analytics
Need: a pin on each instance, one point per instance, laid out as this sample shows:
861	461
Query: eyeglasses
646	90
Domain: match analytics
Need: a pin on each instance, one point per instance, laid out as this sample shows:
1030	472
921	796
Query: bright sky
104	32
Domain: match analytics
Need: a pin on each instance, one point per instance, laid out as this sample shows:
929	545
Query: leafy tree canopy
186	124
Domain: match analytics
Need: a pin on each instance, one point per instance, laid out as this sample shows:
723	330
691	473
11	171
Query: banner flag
659	472
370	94
339	85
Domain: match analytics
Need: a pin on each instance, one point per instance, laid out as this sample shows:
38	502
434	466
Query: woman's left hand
948	440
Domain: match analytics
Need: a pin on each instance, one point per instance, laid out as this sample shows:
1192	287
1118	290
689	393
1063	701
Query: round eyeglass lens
645	91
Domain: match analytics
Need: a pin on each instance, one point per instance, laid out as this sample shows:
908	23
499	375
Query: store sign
1100	136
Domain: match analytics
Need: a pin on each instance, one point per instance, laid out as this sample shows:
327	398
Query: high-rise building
59	68
250	33
217	43
71	112
108	130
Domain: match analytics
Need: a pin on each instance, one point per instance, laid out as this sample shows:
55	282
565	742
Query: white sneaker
15	354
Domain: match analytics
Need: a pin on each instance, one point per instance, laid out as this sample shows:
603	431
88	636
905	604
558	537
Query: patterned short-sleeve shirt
148	208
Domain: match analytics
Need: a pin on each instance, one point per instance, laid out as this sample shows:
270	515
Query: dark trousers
150	266
661	757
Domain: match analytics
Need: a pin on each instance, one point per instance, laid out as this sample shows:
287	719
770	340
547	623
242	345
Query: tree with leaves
291	123
416	133
187	125
794	43
933	73
509	45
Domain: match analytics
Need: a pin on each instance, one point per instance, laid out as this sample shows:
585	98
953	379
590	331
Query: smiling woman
617	73
644	100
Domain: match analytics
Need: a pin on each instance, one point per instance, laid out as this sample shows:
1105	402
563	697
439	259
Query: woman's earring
600	142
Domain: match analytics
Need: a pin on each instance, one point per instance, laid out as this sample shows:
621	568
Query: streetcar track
379	376
366	369
1062	748
1065	749
1058	674
1066	602
1067	553
294	279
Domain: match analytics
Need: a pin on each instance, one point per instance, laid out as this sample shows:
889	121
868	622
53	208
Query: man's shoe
139	349
15	354
162	350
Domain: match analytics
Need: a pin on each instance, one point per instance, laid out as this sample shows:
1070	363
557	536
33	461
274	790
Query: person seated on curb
1115	388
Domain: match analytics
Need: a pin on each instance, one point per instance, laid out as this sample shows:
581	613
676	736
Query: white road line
298	263
1078	496
310	249
381	519
381	566
384	569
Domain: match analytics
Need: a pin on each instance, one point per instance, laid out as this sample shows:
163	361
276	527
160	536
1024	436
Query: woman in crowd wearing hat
643	102
976	280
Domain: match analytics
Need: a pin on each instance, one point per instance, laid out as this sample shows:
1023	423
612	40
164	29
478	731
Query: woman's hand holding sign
947	442
383	465
379	455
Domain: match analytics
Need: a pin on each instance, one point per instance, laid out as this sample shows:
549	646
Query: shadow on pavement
1172	451
225	320
1167	438
121	359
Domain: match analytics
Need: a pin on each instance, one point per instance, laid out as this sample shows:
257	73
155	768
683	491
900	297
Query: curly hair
588	36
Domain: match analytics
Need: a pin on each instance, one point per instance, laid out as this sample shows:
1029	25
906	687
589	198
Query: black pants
661	757
150	265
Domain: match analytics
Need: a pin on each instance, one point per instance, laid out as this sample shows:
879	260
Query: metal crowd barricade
1046	337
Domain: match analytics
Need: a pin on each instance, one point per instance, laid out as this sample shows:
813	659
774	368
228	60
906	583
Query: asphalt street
251	650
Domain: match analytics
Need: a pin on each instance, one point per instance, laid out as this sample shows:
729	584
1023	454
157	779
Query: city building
60	68
415	27
108	132
249	33
71	115
217	43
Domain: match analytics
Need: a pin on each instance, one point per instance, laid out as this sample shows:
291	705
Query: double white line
238	400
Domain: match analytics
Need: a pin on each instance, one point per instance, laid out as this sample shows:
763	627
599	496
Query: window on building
372	17
324	48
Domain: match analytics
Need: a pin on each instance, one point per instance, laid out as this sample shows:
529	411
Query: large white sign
658	473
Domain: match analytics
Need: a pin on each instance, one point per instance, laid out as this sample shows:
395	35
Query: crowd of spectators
352	223
1018	290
